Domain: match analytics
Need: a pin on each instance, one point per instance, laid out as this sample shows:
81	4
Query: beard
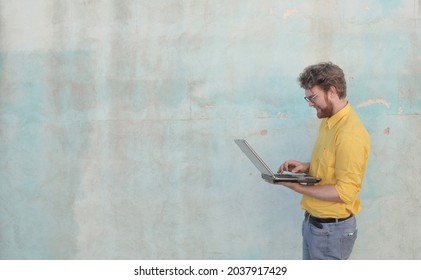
326	111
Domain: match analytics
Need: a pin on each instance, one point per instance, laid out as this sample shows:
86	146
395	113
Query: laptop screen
254	157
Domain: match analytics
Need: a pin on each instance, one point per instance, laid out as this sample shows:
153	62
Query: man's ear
332	92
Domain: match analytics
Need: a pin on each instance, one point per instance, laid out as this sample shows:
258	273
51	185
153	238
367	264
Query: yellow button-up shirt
339	158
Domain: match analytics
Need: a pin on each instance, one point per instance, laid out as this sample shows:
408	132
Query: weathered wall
117	121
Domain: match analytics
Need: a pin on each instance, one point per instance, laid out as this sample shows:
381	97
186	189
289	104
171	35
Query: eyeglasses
311	98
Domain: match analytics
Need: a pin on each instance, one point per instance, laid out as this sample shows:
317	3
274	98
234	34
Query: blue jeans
334	241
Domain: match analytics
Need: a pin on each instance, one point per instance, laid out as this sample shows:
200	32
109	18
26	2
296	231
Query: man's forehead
308	92
312	91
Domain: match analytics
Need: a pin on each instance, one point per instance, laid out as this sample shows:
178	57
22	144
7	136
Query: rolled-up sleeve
351	162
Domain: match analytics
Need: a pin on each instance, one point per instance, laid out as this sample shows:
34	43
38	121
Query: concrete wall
117	121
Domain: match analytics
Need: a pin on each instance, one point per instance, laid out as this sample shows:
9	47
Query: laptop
267	173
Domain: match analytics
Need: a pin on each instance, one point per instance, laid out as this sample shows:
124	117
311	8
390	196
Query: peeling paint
282	116
289	13
371	102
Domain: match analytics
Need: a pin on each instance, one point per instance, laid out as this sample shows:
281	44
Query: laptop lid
254	157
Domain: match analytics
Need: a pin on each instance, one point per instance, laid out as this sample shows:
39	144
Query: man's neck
340	105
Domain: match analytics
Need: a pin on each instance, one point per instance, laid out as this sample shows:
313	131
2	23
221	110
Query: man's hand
291	185
294	166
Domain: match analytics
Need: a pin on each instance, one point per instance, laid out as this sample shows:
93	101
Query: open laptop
267	173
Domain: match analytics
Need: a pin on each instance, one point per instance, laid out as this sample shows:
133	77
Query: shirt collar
333	120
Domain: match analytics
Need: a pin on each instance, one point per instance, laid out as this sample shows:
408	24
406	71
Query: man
339	158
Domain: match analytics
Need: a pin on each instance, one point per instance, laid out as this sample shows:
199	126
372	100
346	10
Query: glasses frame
311	99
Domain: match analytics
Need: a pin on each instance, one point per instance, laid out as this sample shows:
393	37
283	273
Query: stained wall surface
117	121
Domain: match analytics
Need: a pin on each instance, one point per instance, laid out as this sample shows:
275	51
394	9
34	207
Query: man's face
319	100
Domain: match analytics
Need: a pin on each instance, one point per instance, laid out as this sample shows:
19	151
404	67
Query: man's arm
326	192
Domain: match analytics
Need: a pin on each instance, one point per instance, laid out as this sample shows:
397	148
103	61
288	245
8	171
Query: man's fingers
296	169
291	166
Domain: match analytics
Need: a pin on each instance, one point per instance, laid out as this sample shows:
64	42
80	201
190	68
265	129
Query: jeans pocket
319	231
347	243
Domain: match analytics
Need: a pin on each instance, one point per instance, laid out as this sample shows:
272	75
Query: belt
317	222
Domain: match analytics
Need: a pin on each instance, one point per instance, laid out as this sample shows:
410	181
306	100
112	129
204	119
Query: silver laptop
267	173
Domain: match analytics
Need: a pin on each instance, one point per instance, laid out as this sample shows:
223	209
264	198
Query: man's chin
319	113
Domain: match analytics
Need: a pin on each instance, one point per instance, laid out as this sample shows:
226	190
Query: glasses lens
311	98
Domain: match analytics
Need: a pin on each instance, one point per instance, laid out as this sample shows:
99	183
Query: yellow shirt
340	158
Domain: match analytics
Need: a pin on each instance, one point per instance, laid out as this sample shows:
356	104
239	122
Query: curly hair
324	75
